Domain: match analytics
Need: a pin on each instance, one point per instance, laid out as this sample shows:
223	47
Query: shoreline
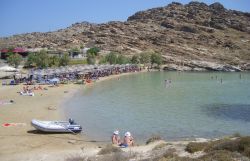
22	142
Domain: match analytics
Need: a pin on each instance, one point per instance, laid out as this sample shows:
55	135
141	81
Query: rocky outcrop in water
195	36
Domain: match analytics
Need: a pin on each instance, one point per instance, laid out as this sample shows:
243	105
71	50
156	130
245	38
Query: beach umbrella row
78	69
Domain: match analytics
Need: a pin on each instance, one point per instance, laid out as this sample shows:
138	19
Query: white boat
56	126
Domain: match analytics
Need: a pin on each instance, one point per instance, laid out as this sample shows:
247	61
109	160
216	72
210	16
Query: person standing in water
166	83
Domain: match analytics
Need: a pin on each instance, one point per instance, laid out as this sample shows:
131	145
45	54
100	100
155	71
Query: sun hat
116	132
128	134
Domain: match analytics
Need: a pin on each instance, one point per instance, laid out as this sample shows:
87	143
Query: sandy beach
20	141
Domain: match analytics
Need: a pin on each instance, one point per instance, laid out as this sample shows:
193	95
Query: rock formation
195	36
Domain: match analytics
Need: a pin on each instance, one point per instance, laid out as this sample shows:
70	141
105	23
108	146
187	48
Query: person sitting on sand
116	138
24	89
128	140
39	88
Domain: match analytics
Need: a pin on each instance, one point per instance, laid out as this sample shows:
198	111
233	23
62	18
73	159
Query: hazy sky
22	16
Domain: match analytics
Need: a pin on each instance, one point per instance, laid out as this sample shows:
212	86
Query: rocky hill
195	36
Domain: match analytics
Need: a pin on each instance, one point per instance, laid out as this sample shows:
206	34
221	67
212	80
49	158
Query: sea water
173	105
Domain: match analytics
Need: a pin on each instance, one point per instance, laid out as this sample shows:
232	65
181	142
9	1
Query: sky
24	16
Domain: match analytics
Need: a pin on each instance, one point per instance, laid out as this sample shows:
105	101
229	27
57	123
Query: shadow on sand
47	133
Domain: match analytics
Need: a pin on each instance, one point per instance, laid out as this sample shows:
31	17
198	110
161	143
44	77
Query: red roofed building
20	51
4	50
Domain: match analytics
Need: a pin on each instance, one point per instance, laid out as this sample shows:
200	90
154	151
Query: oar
69	130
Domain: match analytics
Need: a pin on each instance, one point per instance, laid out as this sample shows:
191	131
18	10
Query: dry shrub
237	135
159	146
109	149
153	138
194	147
76	158
219	155
170	156
225	144
241	145
247	152
113	157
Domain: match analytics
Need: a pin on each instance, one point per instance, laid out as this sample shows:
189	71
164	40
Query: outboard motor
71	121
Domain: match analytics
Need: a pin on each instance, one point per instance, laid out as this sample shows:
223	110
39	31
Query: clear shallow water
193	105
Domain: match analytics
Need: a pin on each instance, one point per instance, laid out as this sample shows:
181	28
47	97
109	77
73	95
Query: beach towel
13	124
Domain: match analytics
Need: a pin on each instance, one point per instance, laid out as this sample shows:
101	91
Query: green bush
14	59
64	60
31	60
135	59
121	59
94	51
77	61
54	61
145	57
156	59
111	58
91	58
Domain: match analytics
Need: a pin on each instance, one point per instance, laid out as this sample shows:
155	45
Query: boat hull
56	126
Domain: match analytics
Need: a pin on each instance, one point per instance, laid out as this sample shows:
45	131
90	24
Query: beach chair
4	83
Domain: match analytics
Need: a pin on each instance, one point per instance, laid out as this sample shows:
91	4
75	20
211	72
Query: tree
145	58
9	53
75	50
81	46
14	59
42	59
111	58
135	59
54	61
64	60
156	58
31	60
95	51
121	59
90	58
102	60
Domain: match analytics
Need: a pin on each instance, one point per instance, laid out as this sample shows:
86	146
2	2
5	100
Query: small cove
192	105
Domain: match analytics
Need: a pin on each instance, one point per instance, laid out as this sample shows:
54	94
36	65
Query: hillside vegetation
195	36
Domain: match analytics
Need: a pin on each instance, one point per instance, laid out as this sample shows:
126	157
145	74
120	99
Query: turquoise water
192	105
